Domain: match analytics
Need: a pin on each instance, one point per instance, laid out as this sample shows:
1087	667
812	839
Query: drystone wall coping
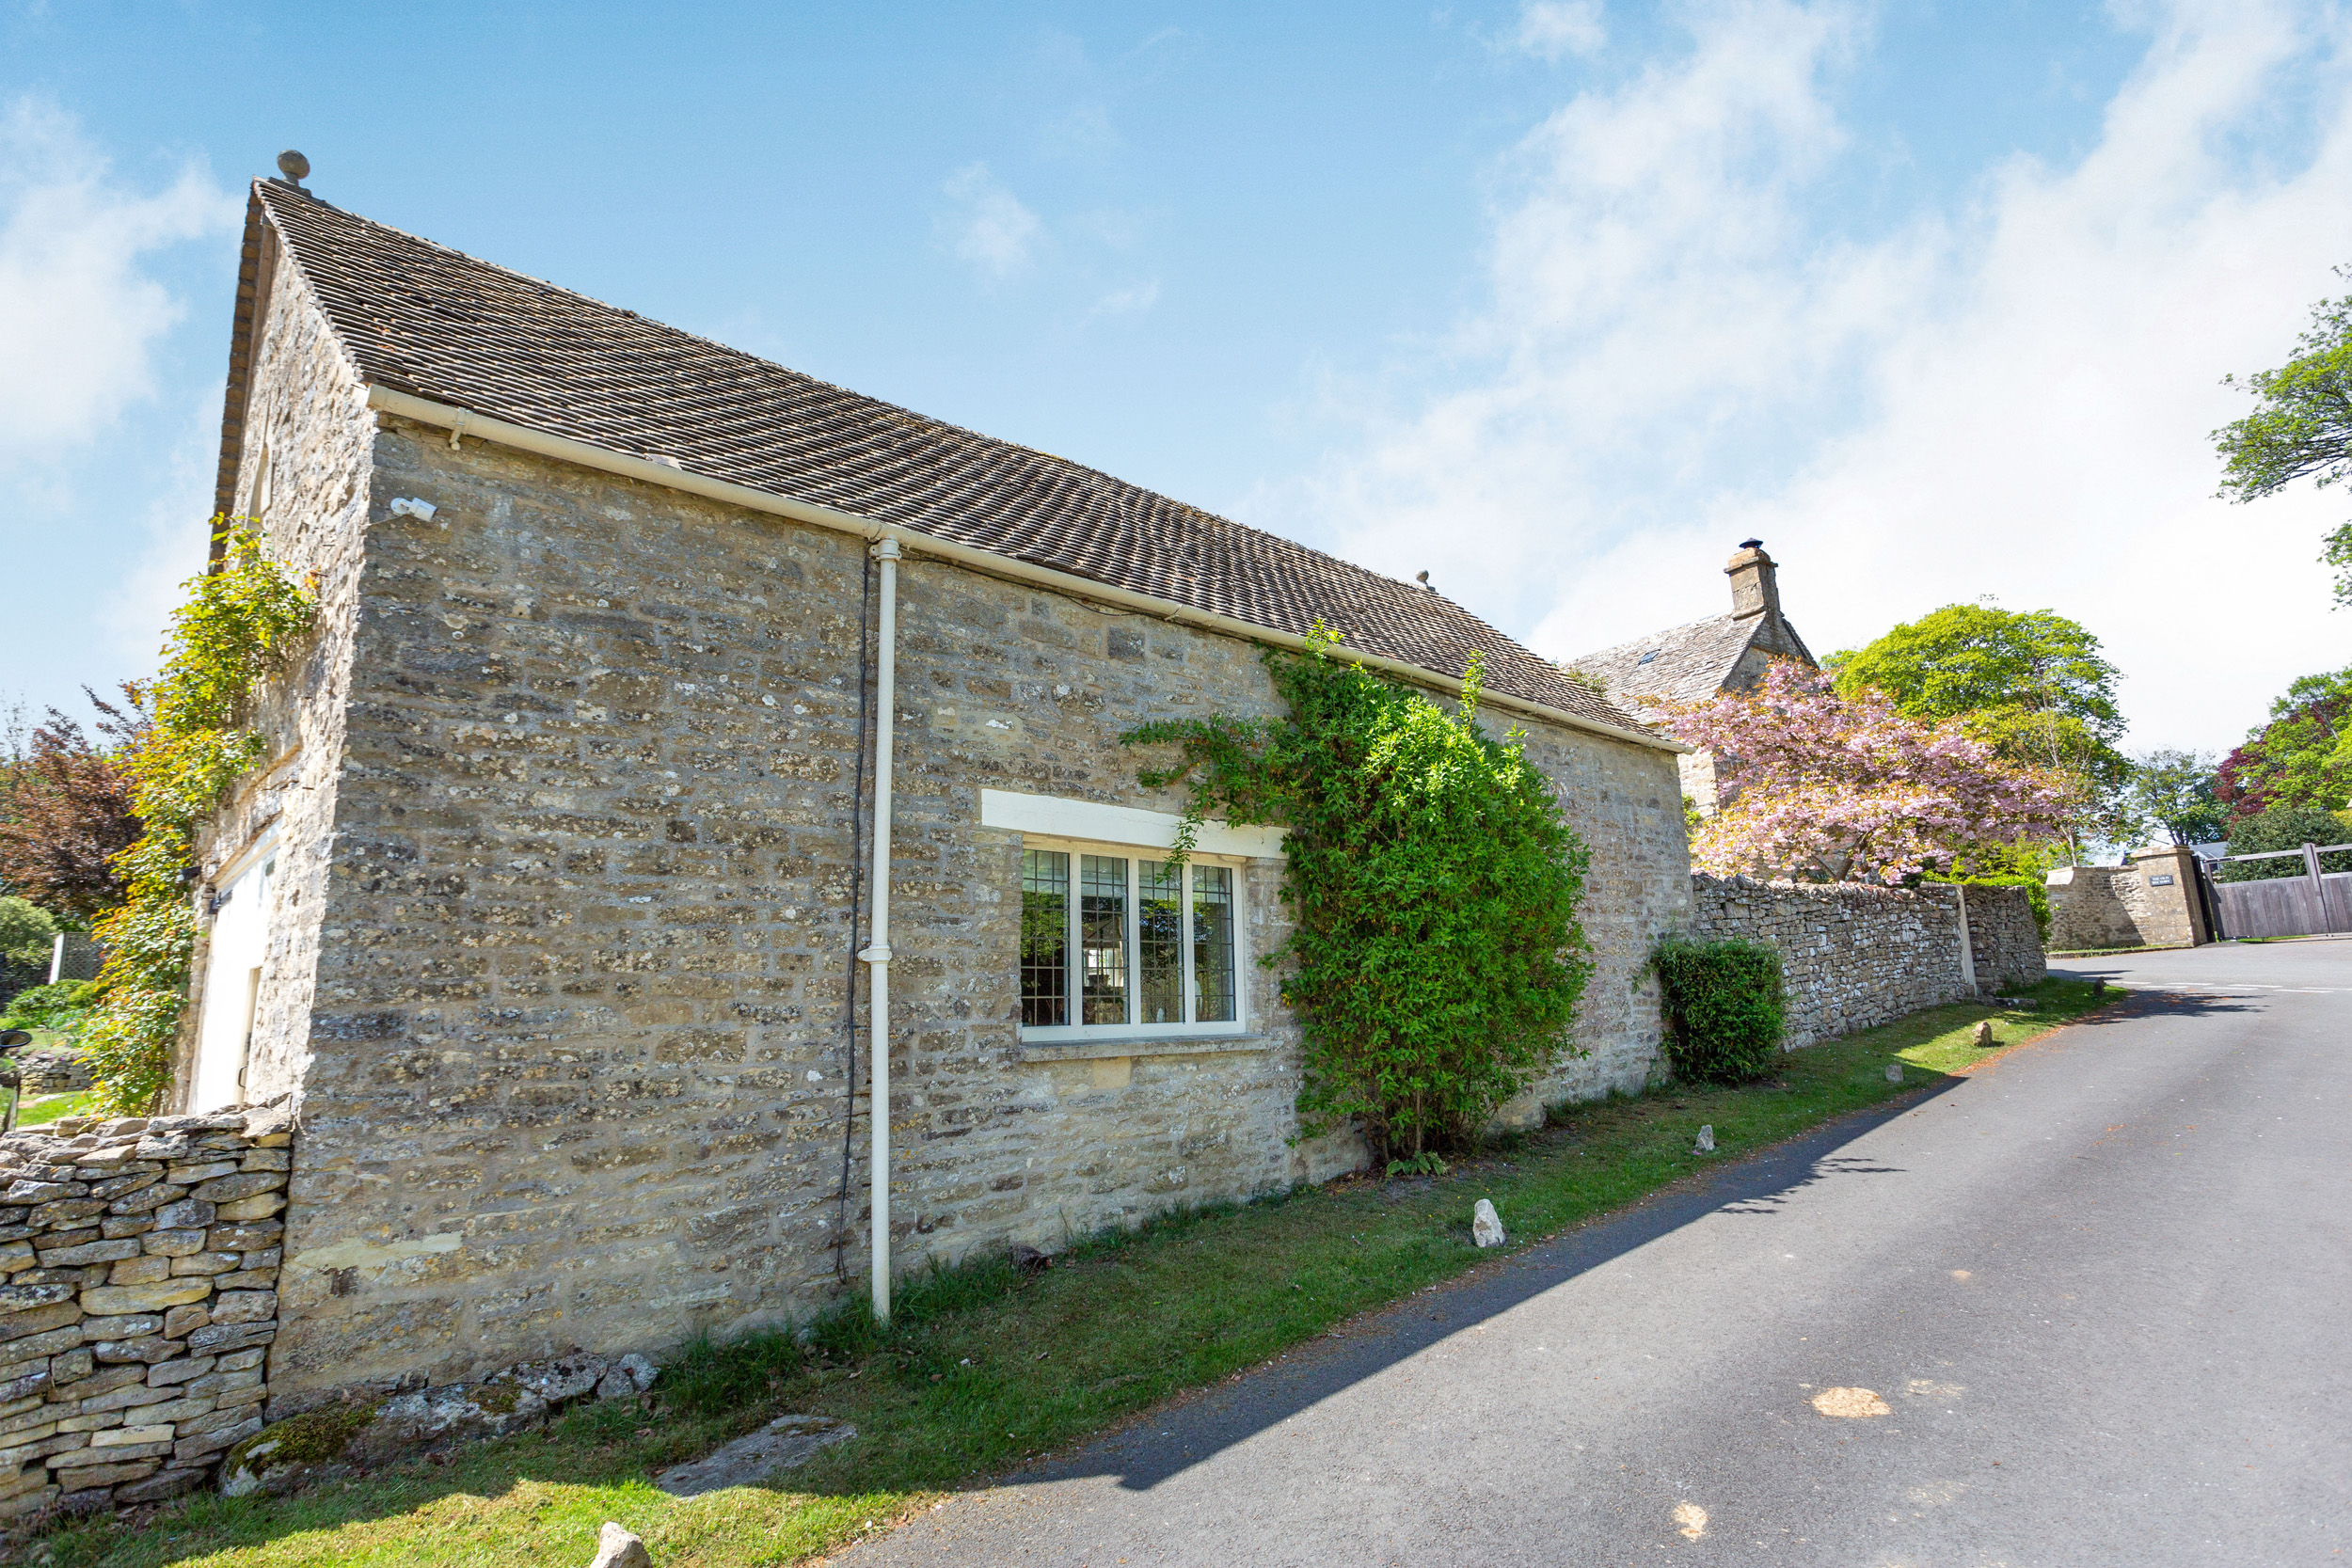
141	1260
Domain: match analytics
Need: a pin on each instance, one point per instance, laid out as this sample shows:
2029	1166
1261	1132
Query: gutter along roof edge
565	449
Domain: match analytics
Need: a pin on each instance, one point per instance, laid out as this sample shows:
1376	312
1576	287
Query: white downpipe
876	956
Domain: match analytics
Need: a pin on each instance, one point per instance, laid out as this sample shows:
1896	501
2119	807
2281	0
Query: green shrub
2286	827
55	1006
1724	1008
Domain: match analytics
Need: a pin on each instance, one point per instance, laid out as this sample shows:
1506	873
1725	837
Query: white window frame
1137	856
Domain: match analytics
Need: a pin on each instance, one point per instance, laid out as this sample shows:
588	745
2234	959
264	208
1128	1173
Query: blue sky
1557	300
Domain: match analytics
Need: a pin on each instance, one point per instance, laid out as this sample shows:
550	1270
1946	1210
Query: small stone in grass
617	1548
1984	1033
1487	1226
1706	1140
1893	1072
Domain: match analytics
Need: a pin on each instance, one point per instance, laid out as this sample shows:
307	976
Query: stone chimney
1754	591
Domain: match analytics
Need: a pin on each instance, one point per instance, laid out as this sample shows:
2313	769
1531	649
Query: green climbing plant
238	623
1434	959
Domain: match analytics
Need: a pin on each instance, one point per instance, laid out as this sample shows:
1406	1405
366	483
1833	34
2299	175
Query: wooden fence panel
2285	906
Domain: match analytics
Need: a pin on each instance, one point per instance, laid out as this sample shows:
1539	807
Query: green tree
26	933
65	811
2301	426
2301	757
2286	827
2032	684
2171	794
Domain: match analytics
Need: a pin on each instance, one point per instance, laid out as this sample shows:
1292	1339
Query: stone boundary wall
2005	939
2150	902
141	1258
1853	956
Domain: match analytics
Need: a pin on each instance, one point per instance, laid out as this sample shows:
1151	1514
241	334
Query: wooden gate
2314	904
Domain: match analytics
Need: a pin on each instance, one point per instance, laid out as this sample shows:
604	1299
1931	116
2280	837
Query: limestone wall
1852	955
576	1070
2005	940
2150	902
141	1260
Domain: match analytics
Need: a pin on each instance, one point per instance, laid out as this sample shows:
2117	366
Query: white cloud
1135	297
1086	133
993	231
1549	29
79	312
2010	395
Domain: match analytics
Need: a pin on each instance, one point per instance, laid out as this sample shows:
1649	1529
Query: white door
232	984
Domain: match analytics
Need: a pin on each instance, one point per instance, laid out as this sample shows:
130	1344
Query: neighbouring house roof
420	318
1685	664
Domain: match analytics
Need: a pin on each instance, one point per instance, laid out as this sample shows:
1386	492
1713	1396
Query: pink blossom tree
1818	787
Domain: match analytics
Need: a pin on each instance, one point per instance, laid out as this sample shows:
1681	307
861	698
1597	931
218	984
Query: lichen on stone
314	1437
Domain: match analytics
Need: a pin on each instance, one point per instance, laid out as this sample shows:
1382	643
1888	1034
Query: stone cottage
1704	659
547	911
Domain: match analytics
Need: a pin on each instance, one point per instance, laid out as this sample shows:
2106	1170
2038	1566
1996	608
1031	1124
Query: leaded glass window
1160	942
1213	944
1116	943
1102	937
1044	938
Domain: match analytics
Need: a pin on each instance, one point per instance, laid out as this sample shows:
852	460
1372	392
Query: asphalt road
2101	1287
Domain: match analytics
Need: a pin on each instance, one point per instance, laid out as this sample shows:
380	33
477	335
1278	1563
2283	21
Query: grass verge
46	1108
984	1367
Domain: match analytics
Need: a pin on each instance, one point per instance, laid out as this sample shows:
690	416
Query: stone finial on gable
1755	588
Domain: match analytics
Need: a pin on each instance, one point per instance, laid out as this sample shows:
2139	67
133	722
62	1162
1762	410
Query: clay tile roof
1686	664
422	319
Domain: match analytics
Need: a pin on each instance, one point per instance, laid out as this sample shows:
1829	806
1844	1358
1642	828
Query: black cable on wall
849	989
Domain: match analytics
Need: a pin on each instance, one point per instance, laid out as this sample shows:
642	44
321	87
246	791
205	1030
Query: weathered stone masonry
141	1261
2149	901
574	1071
1853	955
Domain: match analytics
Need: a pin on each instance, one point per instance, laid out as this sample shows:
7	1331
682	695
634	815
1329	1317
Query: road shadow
2148	1001
1193	1427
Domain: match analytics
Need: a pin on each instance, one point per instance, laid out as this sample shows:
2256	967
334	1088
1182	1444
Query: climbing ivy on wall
1435	958
237	626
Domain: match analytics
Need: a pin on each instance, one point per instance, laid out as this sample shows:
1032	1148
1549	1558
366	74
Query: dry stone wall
2005	939
1853	956
142	1261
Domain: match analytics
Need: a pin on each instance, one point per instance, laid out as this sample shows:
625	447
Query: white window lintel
1060	816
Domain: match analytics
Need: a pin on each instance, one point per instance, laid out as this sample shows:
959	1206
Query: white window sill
1103	1047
